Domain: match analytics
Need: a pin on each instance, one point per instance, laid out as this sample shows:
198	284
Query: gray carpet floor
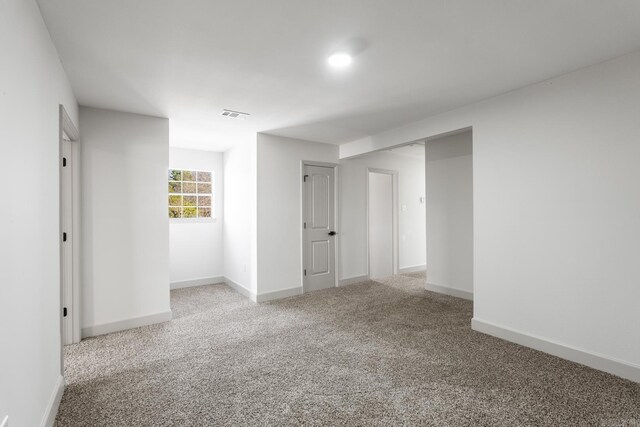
378	353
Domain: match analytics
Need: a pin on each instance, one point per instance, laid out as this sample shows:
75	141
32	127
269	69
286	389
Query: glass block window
190	194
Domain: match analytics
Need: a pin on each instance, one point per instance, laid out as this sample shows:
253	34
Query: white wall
274	243
32	84
556	211
449	190
239	227
279	221
353	213
125	239
196	247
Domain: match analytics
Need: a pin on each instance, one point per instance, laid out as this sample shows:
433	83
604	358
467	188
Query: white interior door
66	225
381	223
319	228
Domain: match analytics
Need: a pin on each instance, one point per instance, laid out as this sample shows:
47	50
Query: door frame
336	210
395	222
68	130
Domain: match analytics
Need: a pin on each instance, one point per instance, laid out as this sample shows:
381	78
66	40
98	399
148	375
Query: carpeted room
376	353
156	144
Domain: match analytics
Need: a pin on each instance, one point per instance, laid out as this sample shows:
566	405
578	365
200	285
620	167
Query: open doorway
382	210
417	213
69	230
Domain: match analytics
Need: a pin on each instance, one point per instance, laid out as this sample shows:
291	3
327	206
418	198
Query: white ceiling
189	59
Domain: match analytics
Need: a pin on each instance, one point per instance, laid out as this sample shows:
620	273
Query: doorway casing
69	190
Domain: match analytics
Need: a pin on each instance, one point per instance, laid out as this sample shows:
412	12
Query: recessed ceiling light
340	60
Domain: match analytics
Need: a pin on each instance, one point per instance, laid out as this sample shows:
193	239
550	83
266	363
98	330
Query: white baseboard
240	289
284	293
412	269
449	291
267	296
121	325
353	280
196	282
49	416
597	361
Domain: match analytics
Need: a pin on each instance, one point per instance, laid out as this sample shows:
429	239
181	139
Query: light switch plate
5	422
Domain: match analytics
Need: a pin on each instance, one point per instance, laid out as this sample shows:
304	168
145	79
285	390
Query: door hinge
64	312
64	162
304	178
305	271
64	237
305	225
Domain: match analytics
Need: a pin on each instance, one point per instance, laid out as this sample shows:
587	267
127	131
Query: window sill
191	220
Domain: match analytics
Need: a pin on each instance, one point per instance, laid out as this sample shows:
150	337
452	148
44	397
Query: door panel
380	225
320	257
320	201
320	247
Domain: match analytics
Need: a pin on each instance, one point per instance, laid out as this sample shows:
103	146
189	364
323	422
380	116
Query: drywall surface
353	213
239	227
196	245
125	224
556	206
449	205
279	208
32	85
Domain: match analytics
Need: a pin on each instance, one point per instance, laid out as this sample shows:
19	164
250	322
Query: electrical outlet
5	422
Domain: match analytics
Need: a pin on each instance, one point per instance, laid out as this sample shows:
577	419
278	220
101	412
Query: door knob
332	233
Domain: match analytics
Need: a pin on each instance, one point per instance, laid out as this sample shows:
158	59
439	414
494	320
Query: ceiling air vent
234	114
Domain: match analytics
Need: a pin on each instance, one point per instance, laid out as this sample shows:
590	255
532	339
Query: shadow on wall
449	214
